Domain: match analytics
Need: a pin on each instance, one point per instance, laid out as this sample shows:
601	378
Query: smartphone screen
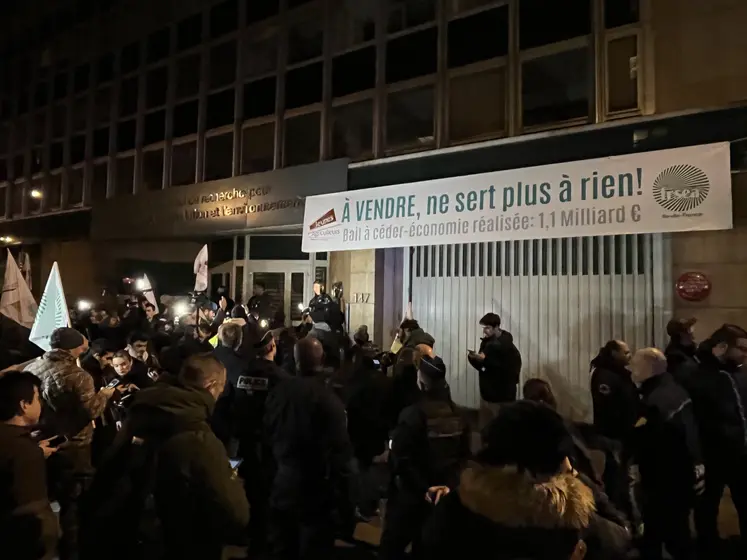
235	463
57	441
113	383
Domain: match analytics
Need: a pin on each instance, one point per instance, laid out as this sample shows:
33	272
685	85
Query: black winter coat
615	399
499	371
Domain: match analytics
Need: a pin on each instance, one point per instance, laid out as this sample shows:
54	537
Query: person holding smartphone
28	528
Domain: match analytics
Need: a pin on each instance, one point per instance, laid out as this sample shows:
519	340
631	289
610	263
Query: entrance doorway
288	283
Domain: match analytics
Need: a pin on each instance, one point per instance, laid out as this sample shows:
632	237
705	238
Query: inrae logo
327	219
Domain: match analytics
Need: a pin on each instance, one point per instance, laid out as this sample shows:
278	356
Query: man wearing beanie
522	498
71	404
428	448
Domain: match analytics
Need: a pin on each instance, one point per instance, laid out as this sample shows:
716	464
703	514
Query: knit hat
528	435
66	338
433	369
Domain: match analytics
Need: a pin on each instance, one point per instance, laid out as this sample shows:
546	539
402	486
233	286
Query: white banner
684	189
53	313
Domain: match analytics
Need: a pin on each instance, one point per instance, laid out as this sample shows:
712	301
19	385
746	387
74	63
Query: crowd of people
174	439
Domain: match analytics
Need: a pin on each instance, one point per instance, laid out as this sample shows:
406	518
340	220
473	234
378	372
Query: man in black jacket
681	348
666	451
228	351
498	363
718	388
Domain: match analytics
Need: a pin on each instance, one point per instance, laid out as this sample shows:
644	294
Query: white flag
201	270
148	292
53	313
17	302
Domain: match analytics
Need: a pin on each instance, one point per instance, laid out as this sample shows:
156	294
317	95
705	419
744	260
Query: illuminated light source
7	239
180	309
140	284
84	305
301	307
263	323
36	193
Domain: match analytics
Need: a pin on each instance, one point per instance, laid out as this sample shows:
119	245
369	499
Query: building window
571	19
16	203
258	148
102	105
37	160
3	202
183	162
128	94
260	55
81	76
60	87
306	39
219	157
130	59
104	70
189	32
352	26
303	86
455	7
100	178
621	12
352	130
223	64
153	170
622	74
20	136
477	105
259	98
412	56
224	18
185	118
158	46
41	95
154	129
124	175
126	135
53	194
100	142
556	88
478	37
157	85
75	186
404	14
302	139
353	72
56	153
259	10
220	109
59	120
80	113
77	149
409	119
18	166
23	102
40	127
188	76
3	170
33	205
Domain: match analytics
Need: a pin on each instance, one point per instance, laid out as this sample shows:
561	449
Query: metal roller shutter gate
562	299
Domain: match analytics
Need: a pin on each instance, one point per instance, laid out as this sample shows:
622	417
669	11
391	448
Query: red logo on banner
327	219
693	286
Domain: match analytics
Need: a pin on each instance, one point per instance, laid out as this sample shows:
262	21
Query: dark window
77	149
188	76
40	127
59	120
128	94
222	64
23	102
152	170
303	86
411	56
259	98
258	10
183	160
56	152
41	95
353	72
224	18
477	104
258	148
570	19
3	201
104	69
82	76
157	85
60	86
404	14
37	160
3	177
622	83
277	247
305	40
130	60
80	113
185	118
352	130
75	186
409	118
621	12
126	135
16	202
556	88
219	157
124	175
54	190
189	32
260	56
158	45
154	129
100	142
21	133
351	26
18	169
220	109
302	139
102	105
479	37
100	179
458	6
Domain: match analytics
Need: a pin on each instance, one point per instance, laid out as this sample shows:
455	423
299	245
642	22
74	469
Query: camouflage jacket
71	402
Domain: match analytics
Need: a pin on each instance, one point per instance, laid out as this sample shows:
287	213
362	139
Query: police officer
614	395
667	453
252	389
260	304
428	447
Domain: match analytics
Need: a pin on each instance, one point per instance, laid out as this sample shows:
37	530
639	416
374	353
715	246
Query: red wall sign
693	286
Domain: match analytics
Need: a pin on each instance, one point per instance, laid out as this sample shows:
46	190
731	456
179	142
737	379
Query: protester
28	527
